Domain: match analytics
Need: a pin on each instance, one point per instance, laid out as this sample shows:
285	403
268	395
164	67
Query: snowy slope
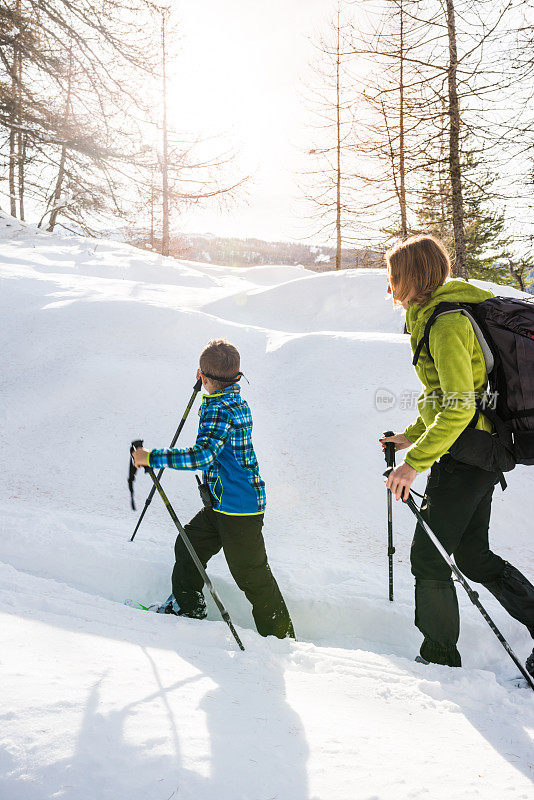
100	344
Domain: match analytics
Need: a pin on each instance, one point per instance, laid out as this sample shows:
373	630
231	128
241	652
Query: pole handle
389	452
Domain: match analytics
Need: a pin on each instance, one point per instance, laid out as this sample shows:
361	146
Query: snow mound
349	300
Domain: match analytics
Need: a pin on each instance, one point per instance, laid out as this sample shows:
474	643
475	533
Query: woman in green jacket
458	496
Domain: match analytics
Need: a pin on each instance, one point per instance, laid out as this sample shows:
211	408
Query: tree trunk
21	139
21	161
518	275
338	173
13	122
56	197
460	265
402	170
165	154
442	179
152	198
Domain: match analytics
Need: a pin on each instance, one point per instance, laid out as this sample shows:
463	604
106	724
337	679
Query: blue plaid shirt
224	452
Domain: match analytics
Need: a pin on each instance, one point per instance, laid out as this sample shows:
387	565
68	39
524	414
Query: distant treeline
255	252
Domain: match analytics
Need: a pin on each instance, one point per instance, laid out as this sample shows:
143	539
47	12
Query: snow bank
100	344
351	300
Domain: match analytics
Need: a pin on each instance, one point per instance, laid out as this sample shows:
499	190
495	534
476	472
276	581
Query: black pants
242	542
457	507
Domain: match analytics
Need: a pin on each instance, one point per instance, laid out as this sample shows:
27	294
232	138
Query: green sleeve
415	430
451	345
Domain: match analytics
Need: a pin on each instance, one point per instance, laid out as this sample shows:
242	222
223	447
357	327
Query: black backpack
504	327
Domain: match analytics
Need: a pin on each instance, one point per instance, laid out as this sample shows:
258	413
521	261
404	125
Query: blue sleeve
214	427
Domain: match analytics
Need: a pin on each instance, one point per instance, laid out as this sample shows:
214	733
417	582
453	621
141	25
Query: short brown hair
416	267
221	360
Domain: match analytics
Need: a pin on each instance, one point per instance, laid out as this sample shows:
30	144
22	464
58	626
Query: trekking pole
473	596
191	550
389	454
196	390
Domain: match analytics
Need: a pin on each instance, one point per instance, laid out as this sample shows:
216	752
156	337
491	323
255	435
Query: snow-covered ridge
99	345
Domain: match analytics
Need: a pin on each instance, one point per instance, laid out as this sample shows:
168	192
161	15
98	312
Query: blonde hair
416	267
220	360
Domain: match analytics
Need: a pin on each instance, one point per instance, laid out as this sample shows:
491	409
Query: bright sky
240	72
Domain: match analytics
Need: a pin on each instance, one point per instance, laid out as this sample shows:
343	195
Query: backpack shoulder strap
466	310
441	308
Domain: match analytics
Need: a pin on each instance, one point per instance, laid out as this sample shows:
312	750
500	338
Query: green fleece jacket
450	382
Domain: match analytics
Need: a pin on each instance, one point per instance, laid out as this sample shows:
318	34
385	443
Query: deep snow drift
100	344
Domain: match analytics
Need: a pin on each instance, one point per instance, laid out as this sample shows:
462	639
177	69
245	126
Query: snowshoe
193	610
196	610
157	608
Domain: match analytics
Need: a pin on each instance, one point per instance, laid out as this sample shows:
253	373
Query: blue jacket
224	451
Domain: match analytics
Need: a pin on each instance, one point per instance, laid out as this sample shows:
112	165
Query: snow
100	343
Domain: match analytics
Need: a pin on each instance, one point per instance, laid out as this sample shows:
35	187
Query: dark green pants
242	542
457	507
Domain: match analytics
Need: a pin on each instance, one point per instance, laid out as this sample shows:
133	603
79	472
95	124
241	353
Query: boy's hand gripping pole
196	390
473	596
191	550
389	454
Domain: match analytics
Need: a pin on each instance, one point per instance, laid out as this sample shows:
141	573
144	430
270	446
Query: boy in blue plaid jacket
223	451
